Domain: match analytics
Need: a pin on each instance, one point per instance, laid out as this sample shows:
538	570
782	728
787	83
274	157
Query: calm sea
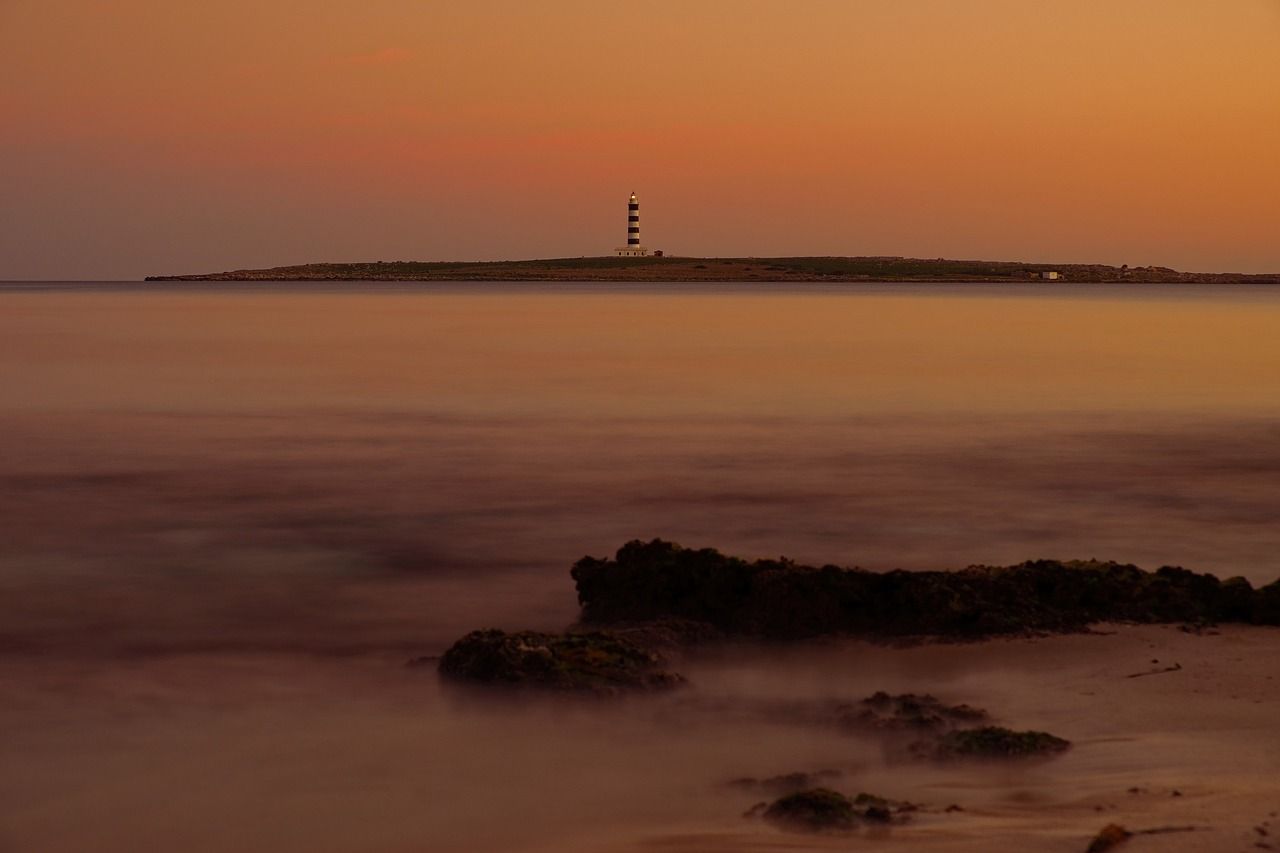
257	465
229	514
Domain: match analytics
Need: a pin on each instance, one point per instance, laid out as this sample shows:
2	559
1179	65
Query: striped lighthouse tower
633	248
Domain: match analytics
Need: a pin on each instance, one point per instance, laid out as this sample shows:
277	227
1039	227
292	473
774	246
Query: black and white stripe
632	248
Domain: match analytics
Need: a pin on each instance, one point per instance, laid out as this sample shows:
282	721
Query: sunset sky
150	136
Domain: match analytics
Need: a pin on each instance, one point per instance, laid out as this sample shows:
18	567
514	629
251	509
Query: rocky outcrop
907	712
825	810
785	600
1110	837
584	663
814	810
1266	605
991	743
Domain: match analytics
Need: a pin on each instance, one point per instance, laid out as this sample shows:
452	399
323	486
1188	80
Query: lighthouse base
631	252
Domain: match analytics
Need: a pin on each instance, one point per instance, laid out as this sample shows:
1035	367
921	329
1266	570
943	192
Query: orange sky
153	136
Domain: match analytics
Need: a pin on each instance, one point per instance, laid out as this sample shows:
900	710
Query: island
682	269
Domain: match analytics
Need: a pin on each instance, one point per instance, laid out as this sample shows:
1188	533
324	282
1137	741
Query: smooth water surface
250	474
270	460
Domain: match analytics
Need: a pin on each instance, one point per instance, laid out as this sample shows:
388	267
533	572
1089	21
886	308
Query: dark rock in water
877	814
877	809
1266	605
880	714
814	810
592	663
1111	836
825	810
782	599
991	742
908	712
866	800
786	783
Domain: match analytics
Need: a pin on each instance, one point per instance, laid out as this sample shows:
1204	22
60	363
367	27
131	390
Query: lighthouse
633	249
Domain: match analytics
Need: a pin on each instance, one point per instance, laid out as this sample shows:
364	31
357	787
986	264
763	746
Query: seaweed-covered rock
991	742
814	810
591	662
908	712
782	599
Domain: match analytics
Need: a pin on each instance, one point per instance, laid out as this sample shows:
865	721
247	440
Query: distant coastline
681	269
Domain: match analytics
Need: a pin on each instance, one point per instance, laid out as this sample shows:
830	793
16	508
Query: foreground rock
785	600
1110	837
907	712
588	663
825	810
991	743
815	810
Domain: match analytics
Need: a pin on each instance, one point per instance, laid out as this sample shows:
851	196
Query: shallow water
203	487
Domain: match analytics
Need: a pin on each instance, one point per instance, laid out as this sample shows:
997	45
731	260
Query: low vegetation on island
679	269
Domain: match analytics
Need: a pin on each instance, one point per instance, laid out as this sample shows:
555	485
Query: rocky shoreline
653	598
655	601
780	599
